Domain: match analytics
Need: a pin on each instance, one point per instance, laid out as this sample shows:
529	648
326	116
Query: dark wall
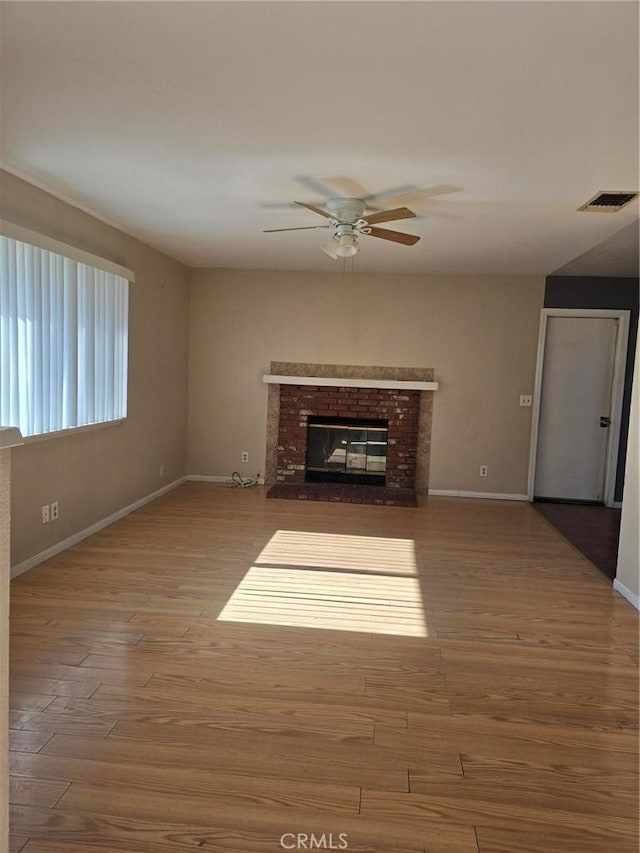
582	292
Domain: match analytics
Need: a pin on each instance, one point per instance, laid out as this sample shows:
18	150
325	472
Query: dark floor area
593	530
341	493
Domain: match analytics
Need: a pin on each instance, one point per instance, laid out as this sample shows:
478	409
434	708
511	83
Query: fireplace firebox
346	450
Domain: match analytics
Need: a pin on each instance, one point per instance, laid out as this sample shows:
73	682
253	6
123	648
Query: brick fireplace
368	396
399	408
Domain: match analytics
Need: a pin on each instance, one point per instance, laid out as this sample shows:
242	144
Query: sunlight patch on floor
339	551
336	582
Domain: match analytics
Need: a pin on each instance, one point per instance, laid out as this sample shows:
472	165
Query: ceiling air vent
609	202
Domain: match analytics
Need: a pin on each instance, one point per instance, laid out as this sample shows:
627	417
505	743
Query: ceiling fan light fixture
331	248
346	246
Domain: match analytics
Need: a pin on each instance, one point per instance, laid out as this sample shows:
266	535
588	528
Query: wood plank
230	683
233	789
524	747
68	636
228	841
565	734
61	722
587	840
33	791
19	701
285	759
54	687
41	608
21	741
301	711
348	763
422	691
91	676
538	791
42	846
484	686
264	814
462	803
259	833
609	782
24	654
540	711
198	719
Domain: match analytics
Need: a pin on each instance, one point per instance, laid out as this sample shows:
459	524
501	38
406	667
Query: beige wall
628	570
479	333
94	474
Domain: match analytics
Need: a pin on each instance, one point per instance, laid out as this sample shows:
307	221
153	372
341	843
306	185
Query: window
63	337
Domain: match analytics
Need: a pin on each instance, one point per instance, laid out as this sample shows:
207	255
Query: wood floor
217	670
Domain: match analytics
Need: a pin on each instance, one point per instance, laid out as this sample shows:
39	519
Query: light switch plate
525	399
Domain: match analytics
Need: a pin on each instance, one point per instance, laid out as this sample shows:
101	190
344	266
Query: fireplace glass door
348	451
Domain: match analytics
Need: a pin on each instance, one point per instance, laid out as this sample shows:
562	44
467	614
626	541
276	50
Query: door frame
617	391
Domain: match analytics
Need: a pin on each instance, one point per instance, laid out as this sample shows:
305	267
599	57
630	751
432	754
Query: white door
575	408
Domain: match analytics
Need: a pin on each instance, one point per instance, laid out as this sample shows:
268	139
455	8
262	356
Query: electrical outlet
55	511
245	456
45	514
525	399
483	470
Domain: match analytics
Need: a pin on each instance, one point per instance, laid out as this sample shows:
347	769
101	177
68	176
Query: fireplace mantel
350	382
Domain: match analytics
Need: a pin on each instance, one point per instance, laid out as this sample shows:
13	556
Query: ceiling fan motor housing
346	209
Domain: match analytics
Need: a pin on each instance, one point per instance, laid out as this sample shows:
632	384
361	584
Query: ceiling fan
347	225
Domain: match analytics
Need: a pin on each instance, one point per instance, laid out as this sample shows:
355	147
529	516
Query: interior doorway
578	403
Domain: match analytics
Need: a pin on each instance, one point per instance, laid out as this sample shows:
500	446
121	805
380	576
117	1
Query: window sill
63	433
10	437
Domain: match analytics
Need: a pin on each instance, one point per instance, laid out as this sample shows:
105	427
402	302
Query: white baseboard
23	567
630	596
205	478
498	496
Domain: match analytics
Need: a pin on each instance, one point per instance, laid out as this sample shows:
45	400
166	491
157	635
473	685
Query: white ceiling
190	124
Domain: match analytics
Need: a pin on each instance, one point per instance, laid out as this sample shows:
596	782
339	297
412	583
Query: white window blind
63	341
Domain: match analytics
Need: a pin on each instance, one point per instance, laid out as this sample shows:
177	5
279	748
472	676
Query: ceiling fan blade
348	188
394	236
419	196
319	210
303	228
389	215
315	185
